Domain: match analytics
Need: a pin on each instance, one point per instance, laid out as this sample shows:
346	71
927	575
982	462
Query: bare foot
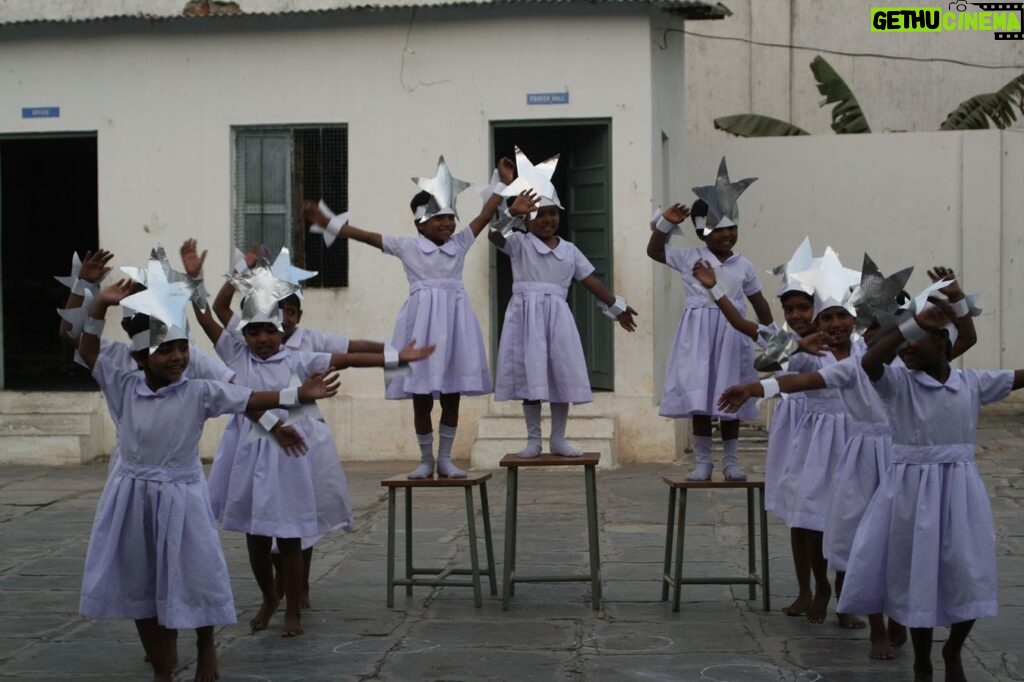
850	621
305	601
292	624
262	617
207	666
880	650
819	606
897	634
799	606
954	667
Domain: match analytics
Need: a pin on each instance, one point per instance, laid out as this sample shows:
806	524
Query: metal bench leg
590	475
765	582
665	573
510	537
408	540
391	547
474	558
677	573
485	512
751	540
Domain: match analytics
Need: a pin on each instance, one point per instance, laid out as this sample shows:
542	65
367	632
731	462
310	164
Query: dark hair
699	208
291	300
421	198
795	292
136	324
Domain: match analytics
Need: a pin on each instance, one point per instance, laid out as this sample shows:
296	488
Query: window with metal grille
276	169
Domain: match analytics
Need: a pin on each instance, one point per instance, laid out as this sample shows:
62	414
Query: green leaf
755	125
995	107
847	116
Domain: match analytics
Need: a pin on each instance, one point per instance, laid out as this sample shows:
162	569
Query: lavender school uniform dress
864	460
708	355
255	487
540	354
438	312
804	492
925	550
154	549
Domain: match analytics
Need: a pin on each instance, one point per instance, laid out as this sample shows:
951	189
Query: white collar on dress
926	380
427	246
294	341
707	255
560	251
142	388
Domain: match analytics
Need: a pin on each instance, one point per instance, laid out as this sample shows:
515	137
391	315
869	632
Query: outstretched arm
601	293
1018	379
361	346
315	387
733	398
312	213
408	354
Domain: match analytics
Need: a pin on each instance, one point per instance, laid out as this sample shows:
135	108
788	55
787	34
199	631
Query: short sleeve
220	398
582	267
328	342
119	354
803	362
993	386
464	238
305	363
115	381
751	282
513	243
206	367
677	258
233	323
841	374
231	347
394	245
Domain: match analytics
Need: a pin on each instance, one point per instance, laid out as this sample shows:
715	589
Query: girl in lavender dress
438	309
154	553
540	354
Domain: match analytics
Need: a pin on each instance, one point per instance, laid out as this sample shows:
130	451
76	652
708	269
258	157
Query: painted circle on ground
637	644
756	672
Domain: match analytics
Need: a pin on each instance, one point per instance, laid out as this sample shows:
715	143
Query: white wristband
390	356
718	291
664	225
613	311
498	187
81	286
268	421
289	397
911	330
771	387
93	326
961	308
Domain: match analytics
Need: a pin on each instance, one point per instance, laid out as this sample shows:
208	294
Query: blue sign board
547	98
40	112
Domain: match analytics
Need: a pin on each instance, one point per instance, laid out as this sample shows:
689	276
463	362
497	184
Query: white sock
559	418
426	467
702	453
445	467
531	413
730	461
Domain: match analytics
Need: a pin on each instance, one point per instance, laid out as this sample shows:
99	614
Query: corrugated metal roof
76	11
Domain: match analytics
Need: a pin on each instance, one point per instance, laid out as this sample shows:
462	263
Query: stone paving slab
550	632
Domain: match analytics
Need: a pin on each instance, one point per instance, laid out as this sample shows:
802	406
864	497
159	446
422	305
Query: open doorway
48	208
583	182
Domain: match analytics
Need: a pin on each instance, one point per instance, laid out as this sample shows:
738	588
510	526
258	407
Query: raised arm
312	213
884	350
94	267
89	344
601	293
967	336
761	308
672	216
506	174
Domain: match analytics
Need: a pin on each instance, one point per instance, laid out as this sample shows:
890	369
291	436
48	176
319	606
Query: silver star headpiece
723	211
888	320
162	299
284	270
76	316
801	260
779	347
261	291
536	178
830	281
443	189
877	293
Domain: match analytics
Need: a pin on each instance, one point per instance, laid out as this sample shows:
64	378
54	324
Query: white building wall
921	199
903	81
162	99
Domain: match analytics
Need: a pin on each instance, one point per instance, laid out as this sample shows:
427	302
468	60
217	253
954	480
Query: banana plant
995	107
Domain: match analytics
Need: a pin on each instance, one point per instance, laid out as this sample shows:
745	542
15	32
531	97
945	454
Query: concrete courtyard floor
550	632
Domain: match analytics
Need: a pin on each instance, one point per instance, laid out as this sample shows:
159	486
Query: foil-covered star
721	197
331	231
76	316
443	188
889	320
76	267
877	293
162	299
283	269
779	347
261	291
801	260
972	305
830	282
536	178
